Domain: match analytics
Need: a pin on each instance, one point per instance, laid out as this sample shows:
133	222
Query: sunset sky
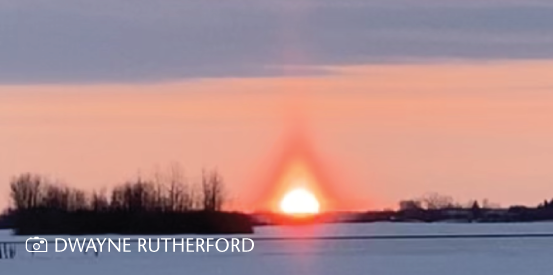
381	100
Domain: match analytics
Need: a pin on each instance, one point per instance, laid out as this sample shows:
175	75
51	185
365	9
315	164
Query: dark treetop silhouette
165	205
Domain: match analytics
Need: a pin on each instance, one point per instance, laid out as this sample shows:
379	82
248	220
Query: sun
299	201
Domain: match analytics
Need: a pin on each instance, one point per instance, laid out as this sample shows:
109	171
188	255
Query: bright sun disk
300	201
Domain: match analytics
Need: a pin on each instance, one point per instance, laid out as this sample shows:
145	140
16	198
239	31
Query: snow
509	256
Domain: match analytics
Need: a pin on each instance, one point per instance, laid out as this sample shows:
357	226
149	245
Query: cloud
63	41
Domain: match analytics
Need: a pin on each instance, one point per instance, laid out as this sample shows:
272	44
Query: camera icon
37	244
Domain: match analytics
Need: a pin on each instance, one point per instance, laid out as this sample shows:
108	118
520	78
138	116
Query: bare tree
77	200
26	191
435	201
117	201
195	196
99	202
55	197
176	188
140	196
159	186
212	191
172	190
134	196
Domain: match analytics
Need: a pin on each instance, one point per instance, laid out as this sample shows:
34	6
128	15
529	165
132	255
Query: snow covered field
508	256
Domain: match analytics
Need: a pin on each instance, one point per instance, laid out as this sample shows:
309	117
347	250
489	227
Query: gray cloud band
79	41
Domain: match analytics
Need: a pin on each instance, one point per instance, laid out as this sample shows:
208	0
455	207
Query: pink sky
389	132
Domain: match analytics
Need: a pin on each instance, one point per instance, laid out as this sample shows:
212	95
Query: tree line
163	204
163	193
434	207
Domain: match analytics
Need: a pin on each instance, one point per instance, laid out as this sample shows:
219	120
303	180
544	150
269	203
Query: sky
393	99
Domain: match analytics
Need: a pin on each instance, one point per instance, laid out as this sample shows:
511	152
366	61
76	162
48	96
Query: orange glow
299	188
300	201
298	166
371	135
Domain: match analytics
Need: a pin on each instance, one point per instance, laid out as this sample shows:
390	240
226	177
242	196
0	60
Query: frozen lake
474	256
